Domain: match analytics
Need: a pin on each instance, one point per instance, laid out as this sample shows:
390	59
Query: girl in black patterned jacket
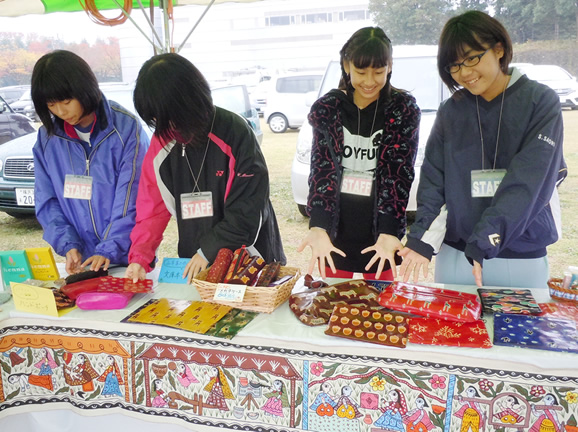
365	138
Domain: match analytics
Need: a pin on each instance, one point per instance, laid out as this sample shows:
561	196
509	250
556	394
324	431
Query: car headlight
1	163
304	140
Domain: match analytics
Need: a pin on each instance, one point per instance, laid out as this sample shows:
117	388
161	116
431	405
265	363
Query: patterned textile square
429	331
527	331
509	301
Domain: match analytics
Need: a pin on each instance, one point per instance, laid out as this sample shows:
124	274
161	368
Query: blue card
172	270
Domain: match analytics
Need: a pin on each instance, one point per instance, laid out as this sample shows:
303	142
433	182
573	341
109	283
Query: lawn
279	150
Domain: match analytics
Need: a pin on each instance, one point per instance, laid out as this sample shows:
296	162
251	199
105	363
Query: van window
298	84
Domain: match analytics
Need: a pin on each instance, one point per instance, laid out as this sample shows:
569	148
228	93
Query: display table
276	375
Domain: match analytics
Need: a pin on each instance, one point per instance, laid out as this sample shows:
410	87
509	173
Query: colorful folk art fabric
431	302
107	284
509	301
431	331
380	327
527	331
200	384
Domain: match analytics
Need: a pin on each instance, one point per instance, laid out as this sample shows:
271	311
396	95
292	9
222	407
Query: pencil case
103	300
431	302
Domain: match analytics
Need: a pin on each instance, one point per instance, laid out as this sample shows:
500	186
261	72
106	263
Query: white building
232	38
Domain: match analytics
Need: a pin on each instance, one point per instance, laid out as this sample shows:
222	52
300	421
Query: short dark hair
172	96
367	47
476	30
61	75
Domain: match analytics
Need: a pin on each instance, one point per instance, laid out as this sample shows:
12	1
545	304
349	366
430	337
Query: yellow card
42	263
36	300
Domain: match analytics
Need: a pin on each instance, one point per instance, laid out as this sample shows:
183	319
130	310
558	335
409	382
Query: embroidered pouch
509	300
315	306
381	327
430	331
528	331
431	302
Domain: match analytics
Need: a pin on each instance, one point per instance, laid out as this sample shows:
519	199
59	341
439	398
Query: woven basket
256	299
563	294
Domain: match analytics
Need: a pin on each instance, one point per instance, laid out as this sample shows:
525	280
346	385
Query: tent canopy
161	43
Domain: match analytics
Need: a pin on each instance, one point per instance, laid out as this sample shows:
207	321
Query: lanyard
499	127
197	178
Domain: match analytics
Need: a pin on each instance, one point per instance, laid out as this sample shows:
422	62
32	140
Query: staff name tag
357	183
196	205
485	183
78	187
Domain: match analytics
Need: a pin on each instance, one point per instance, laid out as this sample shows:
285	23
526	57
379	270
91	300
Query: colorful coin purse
431	302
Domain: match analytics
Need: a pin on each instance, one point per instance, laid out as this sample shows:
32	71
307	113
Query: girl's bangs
375	53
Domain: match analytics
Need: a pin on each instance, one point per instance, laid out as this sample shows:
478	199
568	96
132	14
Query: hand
96	262
73	260
477	272
412	261
135	272
385	249
196	265
321	248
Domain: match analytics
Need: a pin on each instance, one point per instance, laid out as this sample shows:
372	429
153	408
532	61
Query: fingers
477	272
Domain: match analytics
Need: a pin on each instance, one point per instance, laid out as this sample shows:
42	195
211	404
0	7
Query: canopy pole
149	22
164	7
196	24
135	24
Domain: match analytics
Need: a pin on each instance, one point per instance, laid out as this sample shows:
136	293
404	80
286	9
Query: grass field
279	150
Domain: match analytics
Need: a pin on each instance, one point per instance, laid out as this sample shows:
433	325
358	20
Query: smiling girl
487	196
365	138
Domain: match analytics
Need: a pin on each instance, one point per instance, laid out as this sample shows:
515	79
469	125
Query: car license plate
25	197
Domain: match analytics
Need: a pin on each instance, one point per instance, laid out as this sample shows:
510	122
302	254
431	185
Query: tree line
19	52
421	21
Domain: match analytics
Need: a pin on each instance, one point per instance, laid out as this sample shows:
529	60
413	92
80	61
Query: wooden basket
256	299
563	294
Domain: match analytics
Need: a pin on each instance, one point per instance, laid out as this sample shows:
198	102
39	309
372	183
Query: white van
414	70
286	105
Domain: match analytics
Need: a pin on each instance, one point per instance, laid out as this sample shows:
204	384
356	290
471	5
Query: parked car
555	77
17	162
286	105
12	125
11	94
415	70
25	106
235	98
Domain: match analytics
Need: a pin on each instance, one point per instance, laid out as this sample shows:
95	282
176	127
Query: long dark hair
172	96
367	47
61	75
476	30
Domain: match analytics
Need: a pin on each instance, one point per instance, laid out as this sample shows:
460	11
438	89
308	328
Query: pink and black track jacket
232	167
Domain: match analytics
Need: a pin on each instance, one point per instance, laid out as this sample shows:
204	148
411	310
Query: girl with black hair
87	162
365	138
487	199
204	167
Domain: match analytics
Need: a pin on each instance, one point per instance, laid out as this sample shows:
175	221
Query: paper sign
172	270
37	300
230	293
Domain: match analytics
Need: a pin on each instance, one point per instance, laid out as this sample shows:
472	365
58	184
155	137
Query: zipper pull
183	152
87	167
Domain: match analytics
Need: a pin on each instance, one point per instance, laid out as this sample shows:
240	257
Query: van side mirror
3	106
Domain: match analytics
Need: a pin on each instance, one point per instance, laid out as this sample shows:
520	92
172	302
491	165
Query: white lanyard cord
499	127
197	178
